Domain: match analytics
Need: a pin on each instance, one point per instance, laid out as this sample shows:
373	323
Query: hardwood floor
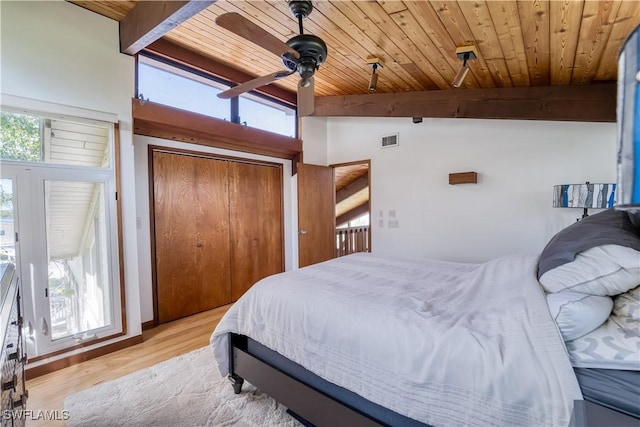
47	393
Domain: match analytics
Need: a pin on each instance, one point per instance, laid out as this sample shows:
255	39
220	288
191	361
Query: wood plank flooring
47	393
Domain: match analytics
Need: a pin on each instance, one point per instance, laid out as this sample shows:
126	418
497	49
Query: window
179	87
30	138
21	137
58	196
267	115
169	85
78	274
7	239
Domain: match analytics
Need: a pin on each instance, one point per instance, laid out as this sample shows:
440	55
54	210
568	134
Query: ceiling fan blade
253	84
241	26
306	98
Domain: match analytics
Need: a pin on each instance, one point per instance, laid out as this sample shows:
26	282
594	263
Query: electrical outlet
393	223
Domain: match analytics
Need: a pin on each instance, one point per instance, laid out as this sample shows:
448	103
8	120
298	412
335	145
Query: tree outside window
20	137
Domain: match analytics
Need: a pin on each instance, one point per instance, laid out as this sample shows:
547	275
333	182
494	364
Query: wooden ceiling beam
150	20
351	189
584	103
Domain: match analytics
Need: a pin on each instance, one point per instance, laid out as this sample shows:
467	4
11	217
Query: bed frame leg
236	382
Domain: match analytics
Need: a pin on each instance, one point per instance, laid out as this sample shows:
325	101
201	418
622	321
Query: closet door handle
302	232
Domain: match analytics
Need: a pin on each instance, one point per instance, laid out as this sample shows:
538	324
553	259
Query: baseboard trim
148	325
46	368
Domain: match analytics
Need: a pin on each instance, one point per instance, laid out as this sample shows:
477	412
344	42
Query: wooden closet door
255	196
191	208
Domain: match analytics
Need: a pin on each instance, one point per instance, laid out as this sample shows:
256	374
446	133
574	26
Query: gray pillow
634	216
609	227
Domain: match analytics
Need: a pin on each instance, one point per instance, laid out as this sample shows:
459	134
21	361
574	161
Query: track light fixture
374	63
465	53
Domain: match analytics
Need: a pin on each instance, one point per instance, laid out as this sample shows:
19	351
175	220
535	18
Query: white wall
508	211
142	200
56	52
313	132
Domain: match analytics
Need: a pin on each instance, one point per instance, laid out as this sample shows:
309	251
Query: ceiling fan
302	53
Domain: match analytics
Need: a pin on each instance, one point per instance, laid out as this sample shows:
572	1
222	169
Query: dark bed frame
316	402
308	398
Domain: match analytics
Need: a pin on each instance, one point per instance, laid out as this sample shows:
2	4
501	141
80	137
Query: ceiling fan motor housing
312	50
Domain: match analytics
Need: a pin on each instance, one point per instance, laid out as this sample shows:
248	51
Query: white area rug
184	391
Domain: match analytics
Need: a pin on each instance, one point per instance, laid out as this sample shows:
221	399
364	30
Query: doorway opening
353	207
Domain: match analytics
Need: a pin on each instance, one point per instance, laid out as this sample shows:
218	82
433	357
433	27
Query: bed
370	340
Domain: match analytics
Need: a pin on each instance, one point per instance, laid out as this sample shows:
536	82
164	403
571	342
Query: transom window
169	85
182	88
30	138
263	114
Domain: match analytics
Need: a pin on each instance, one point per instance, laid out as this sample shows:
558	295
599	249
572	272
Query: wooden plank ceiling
520	43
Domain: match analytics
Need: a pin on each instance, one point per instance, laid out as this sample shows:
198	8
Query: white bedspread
443	343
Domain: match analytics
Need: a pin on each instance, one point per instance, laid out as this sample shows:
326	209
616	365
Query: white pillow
616	343
602	270
578	314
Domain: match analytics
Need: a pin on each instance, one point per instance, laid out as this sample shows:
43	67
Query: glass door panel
77	257
7	218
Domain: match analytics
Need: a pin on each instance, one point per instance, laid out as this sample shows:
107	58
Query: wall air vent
389	141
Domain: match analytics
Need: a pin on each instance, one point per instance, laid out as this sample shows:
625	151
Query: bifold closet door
255	197
191	203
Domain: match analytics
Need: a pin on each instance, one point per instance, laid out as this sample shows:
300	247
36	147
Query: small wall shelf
463	178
